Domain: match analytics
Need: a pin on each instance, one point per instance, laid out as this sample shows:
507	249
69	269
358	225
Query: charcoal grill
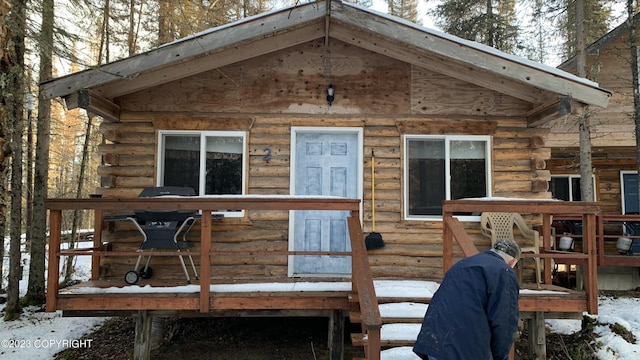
162	229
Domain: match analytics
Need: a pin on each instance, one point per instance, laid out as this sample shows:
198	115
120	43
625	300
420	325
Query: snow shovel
374	239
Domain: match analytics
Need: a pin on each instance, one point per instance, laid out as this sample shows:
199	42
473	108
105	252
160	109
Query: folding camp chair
162	229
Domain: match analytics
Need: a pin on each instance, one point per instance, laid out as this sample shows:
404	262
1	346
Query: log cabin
324	106
614	156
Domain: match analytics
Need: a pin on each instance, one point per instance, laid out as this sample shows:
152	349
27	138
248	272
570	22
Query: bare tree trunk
5	152
29	190
76	214
164	22
15	100
107	33
36	287
130	36
491	36
586	171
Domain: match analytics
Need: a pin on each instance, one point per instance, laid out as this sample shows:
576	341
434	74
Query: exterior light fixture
330	91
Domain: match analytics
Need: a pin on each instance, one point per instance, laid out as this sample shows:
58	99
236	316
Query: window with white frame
211	162
567	187
441	168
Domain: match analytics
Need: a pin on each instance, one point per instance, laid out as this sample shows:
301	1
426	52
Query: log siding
265	98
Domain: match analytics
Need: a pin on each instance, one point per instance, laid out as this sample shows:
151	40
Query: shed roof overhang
550	91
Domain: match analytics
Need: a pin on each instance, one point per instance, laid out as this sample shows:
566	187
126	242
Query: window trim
448	139
203	135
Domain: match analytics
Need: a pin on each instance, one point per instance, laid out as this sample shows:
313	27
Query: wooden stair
401	321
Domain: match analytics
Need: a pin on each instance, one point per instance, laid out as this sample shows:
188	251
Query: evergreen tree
490	22
597	17
406	9
36	286
178	19
365	3
12	99
5	64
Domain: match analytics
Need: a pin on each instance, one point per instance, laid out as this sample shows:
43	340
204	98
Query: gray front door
326	164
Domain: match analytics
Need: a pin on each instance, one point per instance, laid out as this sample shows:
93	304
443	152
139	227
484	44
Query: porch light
330	91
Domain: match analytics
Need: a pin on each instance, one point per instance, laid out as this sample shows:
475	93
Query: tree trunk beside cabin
14	82
5	64
584	126
36	285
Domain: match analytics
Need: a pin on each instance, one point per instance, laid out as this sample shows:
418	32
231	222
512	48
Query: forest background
45	149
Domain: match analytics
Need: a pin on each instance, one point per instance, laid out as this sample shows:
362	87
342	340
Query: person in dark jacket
474	313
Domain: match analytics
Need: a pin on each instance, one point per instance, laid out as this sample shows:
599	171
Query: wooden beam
142	342
104	302
464	241
558	304
205	261
97	243
591	269
549	111
53	275
94	104
282	301
336	335
537	337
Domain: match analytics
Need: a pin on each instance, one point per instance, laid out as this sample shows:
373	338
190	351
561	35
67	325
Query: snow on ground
39	335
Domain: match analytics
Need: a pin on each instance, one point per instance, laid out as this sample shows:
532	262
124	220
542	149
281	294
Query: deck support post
537	337
142	342
336	335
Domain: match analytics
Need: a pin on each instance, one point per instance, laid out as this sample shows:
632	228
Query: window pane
468	169
426	176
560	188
181	161
224	165
630	193
576	191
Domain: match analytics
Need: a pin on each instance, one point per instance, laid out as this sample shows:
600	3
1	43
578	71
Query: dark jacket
474	314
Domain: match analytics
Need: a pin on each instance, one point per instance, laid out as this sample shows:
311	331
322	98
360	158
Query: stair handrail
363	286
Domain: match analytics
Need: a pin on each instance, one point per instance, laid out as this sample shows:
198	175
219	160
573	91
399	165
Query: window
441	168
567	187
212	162
629	185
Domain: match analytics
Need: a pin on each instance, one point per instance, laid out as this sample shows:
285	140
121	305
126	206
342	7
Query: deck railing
546	209
610	230
362	280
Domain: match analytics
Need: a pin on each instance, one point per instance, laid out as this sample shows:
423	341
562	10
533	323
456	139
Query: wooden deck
113	297
357	296
200	300
546	210
104	296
